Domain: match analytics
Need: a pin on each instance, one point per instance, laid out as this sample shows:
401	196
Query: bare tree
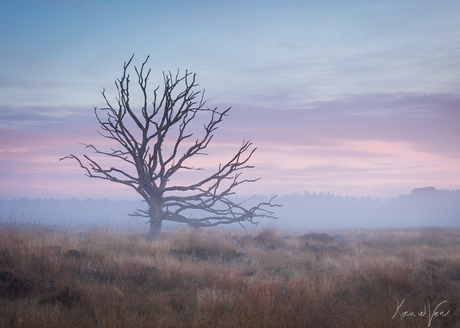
142	139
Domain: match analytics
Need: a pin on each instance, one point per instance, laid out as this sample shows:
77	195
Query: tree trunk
156	218
155	229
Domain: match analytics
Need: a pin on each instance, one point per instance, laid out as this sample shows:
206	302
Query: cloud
427	121
35	64
375	144
42	118
23	84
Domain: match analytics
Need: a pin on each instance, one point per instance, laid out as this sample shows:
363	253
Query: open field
349	278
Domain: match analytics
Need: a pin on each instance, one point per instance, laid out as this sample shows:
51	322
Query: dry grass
98	278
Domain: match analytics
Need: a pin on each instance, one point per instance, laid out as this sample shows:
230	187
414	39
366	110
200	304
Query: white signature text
407	314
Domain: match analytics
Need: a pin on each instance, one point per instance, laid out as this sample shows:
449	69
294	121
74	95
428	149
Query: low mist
310	211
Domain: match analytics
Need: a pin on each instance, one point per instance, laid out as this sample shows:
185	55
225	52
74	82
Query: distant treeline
423	207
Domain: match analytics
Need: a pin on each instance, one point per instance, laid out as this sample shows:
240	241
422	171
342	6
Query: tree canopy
156	140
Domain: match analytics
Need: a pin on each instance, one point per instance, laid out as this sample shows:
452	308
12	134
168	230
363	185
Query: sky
358	98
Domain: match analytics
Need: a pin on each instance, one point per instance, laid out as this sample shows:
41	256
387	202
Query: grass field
350	278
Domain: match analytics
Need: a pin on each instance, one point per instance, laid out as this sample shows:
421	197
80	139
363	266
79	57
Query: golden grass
210	279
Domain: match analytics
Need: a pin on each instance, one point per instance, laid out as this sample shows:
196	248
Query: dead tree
144	144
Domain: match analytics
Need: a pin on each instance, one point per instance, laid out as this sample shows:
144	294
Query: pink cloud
379	145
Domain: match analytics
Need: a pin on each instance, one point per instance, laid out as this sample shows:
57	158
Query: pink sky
377	145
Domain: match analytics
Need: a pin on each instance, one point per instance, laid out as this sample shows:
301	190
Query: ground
51	277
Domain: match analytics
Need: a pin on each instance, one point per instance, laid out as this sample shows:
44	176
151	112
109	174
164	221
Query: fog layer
423	207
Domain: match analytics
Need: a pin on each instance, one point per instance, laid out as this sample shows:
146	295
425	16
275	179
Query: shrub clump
269	239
